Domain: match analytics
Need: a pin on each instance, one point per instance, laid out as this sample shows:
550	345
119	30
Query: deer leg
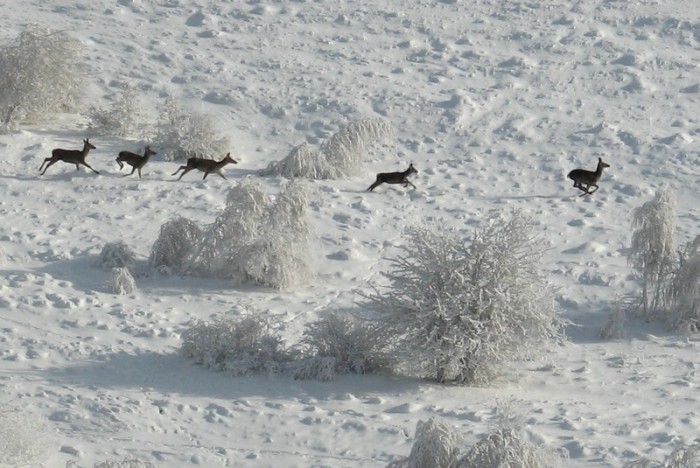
51	163
219	172
139	172
374	185
133	169
90	167
183	172
45	161
121	164
409	183
593	191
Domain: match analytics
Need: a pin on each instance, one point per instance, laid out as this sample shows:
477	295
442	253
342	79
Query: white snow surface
494	102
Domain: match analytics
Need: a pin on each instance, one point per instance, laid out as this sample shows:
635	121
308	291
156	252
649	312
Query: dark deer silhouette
136	161
70	156
394	178
206	165
584	180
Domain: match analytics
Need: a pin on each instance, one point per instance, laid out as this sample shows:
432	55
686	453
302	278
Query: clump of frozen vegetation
37	75
128	462
652	253
460	309
241	346
350	345
125	117
683	456
116	255
177	241
341	155
670	278
439	444
183	134
257	237
22	439
121	281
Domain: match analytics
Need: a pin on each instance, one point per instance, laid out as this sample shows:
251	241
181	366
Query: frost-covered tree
461	308
684	289
652	252
40	72
178	239
241	346
125	117
183	134
339	156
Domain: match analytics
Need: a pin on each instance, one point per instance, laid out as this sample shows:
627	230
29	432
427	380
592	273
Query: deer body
584	180
394	178
206	165
76	157
136	161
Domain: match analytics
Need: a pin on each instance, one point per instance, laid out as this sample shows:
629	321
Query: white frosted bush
684	289
652	252
126	463
314	368
121	282
183	134
508	448
355	345
240	346
177	241
436	445
460	309
39	73
339	156
22	439
116	255
683	456
125	117
259	238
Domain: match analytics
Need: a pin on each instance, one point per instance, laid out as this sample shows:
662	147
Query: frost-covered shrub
508	448
460	309
683	456
178	239
240	346
259	237
116	255
356	346
314	368
652	252
22	439
183	134
125	117
614	326
126	463
121	282
40	72
436	444
684	289
339	156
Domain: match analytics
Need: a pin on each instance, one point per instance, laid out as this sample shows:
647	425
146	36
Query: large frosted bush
40	72
652	253
183	134
125	117
339	156
241	346
356	346
258	237
22	439
177	241
460	309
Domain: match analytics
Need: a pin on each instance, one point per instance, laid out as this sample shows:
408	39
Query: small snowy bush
652	252
123	118
683	456
436	445
22	440
460	309
356	346
40	72
258	237
116	255
240	346
508	448
339	156
684	289
126	463
121	282
178	239
314	368
183	134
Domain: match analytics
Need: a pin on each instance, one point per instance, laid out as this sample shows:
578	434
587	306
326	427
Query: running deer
70	156
394	178
582	177
136	161
207	166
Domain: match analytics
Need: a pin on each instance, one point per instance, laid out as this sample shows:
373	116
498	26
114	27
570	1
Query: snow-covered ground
494	103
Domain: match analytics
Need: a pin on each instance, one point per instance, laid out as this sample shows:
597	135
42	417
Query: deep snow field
494	102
